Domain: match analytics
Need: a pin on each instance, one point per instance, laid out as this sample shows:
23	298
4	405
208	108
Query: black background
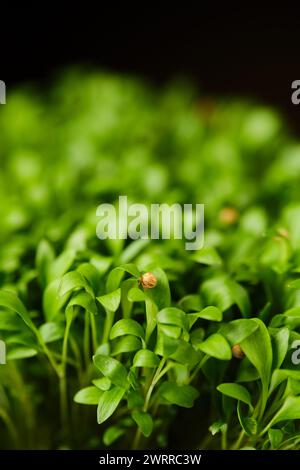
232	52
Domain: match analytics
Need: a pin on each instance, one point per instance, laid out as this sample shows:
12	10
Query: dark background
231	52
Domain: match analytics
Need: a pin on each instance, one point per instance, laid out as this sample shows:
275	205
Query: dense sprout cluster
147	332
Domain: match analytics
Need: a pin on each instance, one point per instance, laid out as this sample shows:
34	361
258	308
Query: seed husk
237	351
229	215
148	281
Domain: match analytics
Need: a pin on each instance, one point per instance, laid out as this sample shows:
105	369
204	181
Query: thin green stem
47	351
239	440
290	443
151	313
50	357
63	379
199	366
137	438
160	371
86	339
157	376
204	444
70	362
109	320
94	332
77	363
224	438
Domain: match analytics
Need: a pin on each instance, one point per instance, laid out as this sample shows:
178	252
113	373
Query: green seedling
124	343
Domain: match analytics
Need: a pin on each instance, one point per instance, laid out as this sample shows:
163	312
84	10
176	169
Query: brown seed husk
237	351
148	281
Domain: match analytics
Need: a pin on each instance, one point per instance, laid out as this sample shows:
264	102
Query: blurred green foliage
87	140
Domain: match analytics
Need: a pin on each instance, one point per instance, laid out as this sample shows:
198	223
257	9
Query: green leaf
216	346
197	336
135	399
112	369
23	338
185	354
103	384
169	330
111	301
145	358
84	300
293	387
258	349
280	375
238	330
173	316
88	396
144	422
108	403
208	313
224	292
74	280
104	349
112	434
101	262
247	372
191	303
91	274
127	326
61	265
166	345
265	312
151	320
52	302
249	425
183	395
20	352
240	296
44	258
116	275
295	284
51	332
275	254
215	292
136	295
290	410
280	341
207	255
12	302
292	312
133	379
126	344
236	391
275	437
160	295
11	322
217	427
290	317
126	304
